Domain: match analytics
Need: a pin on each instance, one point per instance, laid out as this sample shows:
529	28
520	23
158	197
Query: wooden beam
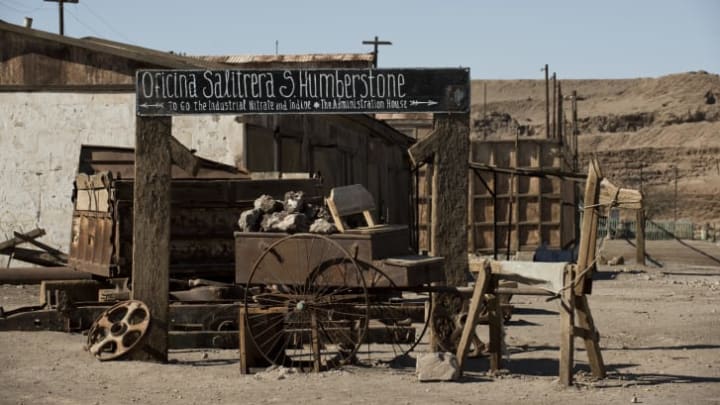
35	233
591	338
611	194
425	148
151	230
183	157
448	234
481	287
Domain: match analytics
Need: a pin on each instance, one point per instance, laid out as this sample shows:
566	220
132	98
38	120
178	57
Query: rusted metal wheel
311	310
118	330
394	316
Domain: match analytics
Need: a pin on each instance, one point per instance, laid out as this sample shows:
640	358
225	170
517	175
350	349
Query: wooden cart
313	300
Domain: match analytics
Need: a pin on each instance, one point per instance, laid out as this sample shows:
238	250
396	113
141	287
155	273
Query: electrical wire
82	23
105	22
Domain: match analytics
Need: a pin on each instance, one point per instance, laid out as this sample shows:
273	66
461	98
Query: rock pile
292	215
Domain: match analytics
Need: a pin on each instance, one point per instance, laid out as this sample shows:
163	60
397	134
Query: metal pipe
34	275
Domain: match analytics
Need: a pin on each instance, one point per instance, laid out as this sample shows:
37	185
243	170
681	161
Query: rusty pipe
34	275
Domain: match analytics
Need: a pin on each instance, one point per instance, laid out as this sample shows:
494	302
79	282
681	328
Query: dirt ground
660	335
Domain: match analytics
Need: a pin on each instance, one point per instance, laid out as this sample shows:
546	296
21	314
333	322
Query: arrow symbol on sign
156	105
429	103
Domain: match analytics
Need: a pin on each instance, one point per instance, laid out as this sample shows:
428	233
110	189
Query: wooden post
640	237
495	341
471	214
588	231
242	335
151	230
449	196
567	329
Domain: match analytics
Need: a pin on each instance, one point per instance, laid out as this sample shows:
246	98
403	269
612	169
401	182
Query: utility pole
547	102
561	116
376	42
61	12
675	169
554	98
575	130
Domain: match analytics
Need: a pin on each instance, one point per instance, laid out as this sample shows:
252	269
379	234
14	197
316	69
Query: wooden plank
481	287
35	233
567	329
151	230
591	338
425	148
184	157
449	196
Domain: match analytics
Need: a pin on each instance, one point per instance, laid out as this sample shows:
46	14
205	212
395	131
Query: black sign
302	91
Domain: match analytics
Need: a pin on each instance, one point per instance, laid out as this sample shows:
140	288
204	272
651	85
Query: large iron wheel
311	308
393	318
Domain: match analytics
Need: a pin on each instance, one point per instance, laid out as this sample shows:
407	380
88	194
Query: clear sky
496	39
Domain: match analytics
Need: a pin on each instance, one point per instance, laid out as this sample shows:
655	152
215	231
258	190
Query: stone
294	202
250	220
270	221
322	226
616	261
294	223
284	222
437	366
268	204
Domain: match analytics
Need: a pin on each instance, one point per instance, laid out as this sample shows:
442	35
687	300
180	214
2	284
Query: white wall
40	138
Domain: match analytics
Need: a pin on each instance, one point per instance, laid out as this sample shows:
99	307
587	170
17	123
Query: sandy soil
660	329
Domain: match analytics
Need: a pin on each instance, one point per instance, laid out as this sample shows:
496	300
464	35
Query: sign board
302	91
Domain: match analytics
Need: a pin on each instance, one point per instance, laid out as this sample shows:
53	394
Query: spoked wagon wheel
393	318
311	310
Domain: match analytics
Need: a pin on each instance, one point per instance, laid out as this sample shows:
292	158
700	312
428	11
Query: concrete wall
40	138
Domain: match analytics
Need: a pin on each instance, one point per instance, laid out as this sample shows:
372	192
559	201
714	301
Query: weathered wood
611	194
495	326
640	237
481	287
586	253
35	233
151	230
33	256
449	196
242	324
184	157
49	249
591	338
425	148
315	341
567	329
348	200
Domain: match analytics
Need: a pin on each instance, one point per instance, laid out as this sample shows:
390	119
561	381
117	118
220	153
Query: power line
83	24
105	22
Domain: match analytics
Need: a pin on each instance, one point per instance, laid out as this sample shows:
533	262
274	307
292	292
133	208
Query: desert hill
640	130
